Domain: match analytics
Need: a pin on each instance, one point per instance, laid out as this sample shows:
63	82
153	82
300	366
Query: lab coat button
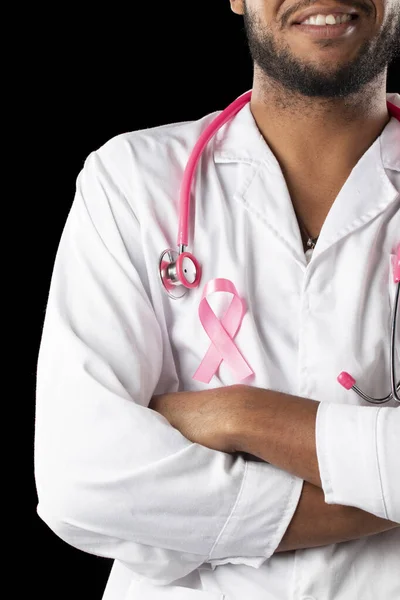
308	598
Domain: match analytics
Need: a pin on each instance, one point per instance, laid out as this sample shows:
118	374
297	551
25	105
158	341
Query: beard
297	76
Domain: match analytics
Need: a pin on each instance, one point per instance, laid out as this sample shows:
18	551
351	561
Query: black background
92	76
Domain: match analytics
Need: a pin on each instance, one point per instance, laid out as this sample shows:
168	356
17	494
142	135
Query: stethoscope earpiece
178	272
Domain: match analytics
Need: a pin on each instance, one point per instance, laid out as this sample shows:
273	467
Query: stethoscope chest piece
178	272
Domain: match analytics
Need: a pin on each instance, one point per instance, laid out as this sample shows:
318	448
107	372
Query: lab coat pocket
139	590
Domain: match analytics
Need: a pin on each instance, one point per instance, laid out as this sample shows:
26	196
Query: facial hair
297	76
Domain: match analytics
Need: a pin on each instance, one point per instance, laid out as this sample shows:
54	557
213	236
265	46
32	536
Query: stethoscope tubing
394	395
205	137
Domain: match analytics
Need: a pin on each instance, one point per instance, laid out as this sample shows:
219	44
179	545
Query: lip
328	31
323	10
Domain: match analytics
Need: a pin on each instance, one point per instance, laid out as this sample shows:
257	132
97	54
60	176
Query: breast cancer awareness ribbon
221	333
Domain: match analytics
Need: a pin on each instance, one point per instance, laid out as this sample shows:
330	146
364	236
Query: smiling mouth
329	26
328	20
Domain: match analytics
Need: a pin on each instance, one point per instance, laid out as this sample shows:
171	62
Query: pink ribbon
221	333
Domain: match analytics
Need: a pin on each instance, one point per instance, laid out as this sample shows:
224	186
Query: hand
202	417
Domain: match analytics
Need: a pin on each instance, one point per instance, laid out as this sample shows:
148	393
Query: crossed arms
281	430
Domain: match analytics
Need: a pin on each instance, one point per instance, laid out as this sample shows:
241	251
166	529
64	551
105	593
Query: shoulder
175	140
157	152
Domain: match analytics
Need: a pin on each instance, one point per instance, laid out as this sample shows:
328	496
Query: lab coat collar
366	193
240	140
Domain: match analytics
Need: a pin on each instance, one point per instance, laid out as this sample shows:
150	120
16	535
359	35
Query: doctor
284	485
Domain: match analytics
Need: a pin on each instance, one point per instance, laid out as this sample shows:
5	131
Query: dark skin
319	104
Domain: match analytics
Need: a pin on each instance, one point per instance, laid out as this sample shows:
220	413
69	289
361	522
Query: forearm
316	523
279	429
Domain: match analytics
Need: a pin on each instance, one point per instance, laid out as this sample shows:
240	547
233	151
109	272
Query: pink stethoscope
180	271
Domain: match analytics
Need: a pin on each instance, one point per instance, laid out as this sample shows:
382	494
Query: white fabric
113	477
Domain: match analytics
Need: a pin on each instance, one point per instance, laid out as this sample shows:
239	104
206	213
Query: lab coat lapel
366	193
262	188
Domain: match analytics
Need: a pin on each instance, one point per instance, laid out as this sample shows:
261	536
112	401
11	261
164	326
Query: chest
303	323
301	326
312	199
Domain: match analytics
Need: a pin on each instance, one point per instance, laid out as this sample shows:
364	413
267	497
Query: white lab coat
114	479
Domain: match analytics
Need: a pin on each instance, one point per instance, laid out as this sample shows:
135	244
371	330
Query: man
283	485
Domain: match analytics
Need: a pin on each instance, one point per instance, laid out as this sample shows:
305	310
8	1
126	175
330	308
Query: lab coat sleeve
113	477
358	449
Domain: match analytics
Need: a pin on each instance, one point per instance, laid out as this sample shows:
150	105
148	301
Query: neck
319	138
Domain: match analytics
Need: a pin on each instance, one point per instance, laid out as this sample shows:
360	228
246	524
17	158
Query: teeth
326	20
